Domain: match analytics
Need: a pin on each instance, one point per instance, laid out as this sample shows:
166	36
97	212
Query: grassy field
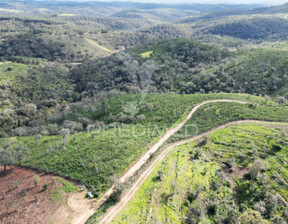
96	45
212	115
212	182
95	158
9	70
146	54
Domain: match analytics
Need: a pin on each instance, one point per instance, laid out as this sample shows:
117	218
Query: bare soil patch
23	201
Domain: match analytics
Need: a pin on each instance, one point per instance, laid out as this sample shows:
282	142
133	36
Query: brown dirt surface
18	203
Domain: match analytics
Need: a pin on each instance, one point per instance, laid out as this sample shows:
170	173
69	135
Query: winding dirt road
113	211
110	214
145	157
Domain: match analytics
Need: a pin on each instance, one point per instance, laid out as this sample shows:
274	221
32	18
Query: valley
133	112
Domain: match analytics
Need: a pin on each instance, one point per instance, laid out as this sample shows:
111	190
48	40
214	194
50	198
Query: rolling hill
234	176
178	105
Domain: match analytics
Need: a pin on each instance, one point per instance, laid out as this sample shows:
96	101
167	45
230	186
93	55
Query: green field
213	182
96	157
10	70
146	54
213	115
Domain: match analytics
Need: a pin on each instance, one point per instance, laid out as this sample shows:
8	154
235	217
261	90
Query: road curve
113	211
108	216
145	157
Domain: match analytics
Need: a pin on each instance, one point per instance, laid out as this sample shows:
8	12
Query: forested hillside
124	129
87	89
255	28
178	65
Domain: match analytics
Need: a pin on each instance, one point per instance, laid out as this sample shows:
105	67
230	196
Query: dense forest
256	28
182	66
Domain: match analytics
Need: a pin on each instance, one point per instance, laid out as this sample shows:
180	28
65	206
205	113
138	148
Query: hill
72	152
178	65
255	28
99	92
235	175
249	72
167	58
272	10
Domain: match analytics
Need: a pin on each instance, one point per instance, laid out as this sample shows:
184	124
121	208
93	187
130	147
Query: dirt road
113	211
144	158
138	164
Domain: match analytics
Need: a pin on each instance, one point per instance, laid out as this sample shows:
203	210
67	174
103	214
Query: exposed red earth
22	200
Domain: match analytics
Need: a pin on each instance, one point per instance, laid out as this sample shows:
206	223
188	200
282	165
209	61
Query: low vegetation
214	115
238	174
87	87
111	144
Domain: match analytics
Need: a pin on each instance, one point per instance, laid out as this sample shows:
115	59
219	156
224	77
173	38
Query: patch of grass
9	71
10	10
95	44
146	54
165	200
67	186
68	15
56	196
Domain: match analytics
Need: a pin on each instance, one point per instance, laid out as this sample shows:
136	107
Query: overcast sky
267	2
262	2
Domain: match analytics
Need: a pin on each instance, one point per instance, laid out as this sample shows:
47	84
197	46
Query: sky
261	2
266	2
231	2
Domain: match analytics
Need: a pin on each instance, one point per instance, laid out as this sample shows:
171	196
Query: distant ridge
135	5
272	9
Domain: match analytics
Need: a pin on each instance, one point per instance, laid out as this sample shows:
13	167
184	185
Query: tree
37	137
283	134
65	133
36	180
232	162
267	98
19	153
7	156
31	108
4	194
271	201
141	117
160	175
281	100
260	207
118	188
255	168
278	220
251	217
36	197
